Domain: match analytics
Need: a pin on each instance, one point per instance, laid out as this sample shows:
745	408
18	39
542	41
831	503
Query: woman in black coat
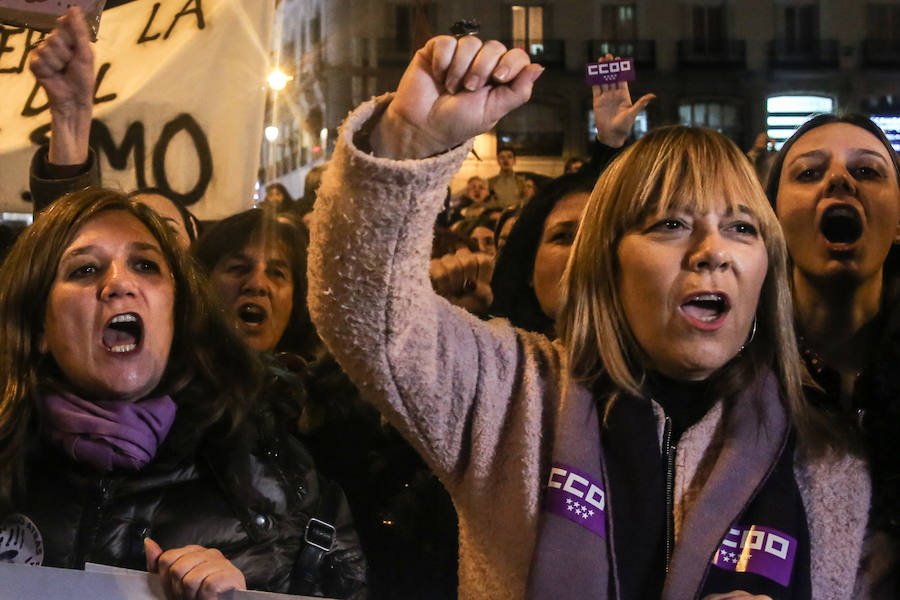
132	427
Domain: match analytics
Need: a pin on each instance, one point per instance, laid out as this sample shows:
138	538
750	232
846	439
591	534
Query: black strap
318	539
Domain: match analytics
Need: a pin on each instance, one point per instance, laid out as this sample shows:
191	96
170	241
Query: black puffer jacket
250	494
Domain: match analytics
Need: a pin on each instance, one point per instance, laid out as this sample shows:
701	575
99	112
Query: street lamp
278	80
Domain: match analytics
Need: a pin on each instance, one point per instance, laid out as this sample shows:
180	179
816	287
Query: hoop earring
751	336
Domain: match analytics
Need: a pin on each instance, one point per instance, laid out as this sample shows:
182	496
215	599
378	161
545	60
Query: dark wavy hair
236	232
205	351
514	296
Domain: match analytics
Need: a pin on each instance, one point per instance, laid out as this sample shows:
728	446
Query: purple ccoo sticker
609	71
575	495
761	550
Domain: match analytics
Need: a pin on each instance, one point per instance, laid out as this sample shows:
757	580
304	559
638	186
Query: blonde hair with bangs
667	170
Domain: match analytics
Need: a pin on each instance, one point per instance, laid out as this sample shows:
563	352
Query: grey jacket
480	400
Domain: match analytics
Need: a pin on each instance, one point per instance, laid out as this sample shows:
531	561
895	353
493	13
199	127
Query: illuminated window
784	114
891	127
528	28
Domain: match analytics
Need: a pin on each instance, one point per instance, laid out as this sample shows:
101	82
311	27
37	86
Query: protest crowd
662	374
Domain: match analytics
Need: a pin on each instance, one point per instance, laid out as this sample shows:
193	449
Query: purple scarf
108	434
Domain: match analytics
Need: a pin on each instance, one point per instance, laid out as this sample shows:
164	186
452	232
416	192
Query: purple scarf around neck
108	434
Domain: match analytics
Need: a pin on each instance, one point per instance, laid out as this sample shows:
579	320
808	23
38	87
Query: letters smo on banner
178	104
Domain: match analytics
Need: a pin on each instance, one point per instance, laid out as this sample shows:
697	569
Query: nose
120	282
710	253
840	182
257	282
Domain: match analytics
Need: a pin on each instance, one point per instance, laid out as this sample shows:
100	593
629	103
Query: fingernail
501	73
471	83
451	85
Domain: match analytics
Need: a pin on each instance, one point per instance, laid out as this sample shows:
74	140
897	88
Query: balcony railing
550	53
643	51
712	53
803	54
881	53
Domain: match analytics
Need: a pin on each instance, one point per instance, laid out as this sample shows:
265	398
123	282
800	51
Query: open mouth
252	314
841	224
123	333
706	307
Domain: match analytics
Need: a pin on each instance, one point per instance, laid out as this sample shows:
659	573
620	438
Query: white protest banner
42	14
98	581
179	102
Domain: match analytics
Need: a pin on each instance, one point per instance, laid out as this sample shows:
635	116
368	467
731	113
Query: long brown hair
671	168
204	348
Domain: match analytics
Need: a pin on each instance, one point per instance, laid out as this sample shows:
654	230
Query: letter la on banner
179	102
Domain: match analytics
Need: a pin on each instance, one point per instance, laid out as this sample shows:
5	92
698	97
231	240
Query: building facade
739	66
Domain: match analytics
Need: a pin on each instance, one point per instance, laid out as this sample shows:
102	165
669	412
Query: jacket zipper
670	490
90	522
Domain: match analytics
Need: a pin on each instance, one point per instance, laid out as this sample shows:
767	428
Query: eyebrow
90	249
237	255
272	262
562	224
278	262
853	151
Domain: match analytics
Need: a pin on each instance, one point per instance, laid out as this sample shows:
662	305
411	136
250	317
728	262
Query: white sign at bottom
96	581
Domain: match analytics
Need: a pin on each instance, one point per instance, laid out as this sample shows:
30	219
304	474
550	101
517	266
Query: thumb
152	551
518	91
641	103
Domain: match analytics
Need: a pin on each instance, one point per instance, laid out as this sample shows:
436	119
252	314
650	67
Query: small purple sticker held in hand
609	71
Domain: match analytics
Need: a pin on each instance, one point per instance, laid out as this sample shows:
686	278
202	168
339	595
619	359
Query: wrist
394	137
612	139
69	136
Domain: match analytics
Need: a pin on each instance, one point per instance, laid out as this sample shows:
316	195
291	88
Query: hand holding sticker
614	113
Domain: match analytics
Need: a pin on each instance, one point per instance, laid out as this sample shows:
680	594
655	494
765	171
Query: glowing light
278	80
317	149
271	133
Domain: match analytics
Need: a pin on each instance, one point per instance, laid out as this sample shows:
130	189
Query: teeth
127	318
707	298
123	348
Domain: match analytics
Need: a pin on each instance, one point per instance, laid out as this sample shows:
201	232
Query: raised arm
442	376
63	63
64	66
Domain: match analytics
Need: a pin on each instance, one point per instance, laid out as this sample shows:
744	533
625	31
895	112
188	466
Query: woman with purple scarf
662	446
135	429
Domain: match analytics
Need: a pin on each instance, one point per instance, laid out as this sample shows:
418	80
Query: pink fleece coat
479	399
